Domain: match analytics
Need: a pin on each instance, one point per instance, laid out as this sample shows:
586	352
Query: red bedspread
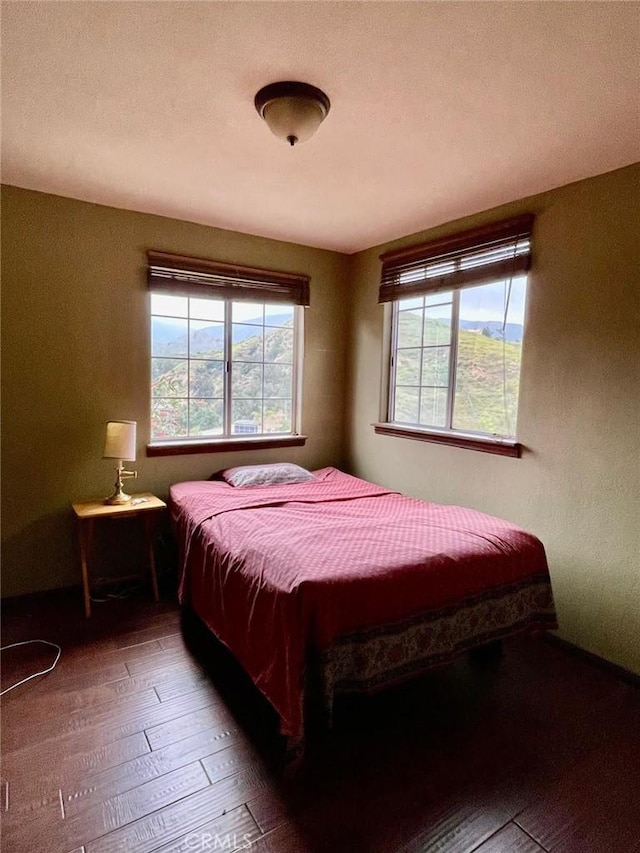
279	571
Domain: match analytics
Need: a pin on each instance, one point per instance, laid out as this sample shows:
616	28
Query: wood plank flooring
147	738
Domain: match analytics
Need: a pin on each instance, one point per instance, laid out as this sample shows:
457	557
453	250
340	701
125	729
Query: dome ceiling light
293	111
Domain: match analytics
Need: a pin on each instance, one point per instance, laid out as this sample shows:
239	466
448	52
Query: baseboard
602	663
25	599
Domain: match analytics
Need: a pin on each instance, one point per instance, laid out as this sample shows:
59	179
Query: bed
350	584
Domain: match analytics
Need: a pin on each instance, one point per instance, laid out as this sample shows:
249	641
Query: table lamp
120	443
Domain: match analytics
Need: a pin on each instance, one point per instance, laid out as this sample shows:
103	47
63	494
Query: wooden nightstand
145	505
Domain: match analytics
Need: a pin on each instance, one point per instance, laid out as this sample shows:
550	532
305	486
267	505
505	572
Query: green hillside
170	379
483	401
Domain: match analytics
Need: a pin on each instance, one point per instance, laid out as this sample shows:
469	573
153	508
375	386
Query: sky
485	302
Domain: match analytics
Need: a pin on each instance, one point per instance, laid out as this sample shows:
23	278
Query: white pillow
266	475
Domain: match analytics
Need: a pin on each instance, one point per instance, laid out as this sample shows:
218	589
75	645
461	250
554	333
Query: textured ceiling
439	109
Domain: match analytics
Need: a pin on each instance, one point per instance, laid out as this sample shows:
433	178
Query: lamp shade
293	111
120	441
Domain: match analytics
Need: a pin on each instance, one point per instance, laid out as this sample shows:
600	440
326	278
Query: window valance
186	276
489	253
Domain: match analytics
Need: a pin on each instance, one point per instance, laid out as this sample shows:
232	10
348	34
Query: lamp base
118	498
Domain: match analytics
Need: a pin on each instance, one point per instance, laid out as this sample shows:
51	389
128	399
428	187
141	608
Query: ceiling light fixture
293	111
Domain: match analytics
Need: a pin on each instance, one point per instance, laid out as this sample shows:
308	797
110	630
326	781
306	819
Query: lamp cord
35	674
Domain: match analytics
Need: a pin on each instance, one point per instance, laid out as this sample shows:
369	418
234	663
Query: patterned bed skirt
366	661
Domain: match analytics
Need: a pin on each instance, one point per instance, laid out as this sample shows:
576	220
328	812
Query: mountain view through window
220	367
456	360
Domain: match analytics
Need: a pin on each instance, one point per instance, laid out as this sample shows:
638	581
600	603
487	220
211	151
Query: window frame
175	275
391	293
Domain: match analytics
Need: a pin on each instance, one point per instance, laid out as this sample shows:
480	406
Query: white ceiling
439	109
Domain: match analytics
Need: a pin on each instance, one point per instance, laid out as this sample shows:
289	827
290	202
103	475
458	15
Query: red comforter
277	571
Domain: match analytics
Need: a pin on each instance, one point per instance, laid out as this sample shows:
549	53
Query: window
225	345
456	336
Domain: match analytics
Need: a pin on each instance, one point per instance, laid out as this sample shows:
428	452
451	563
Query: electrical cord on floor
125	592
35	674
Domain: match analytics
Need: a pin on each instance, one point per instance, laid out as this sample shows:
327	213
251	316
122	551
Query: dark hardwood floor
147	738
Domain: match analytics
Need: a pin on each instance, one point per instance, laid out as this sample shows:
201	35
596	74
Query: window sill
499	446
225	445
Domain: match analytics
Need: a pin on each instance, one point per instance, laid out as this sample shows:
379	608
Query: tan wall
76	353
577	485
